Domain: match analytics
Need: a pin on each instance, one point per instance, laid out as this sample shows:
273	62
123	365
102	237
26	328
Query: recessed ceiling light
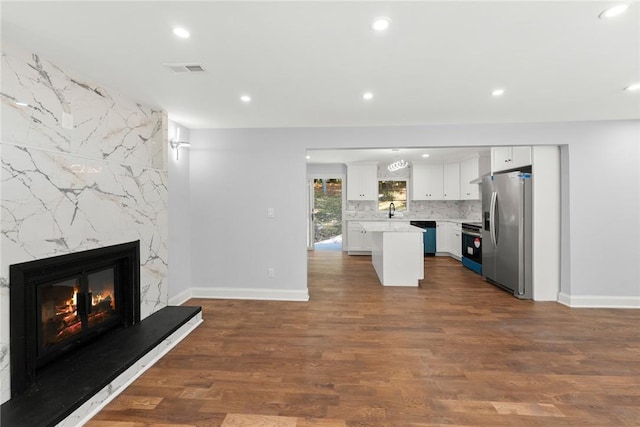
181	32
497	92
308	157
245	98
633	87
614	11
425	155
381	23
367	96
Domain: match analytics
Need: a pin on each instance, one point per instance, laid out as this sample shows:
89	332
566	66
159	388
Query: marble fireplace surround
83	167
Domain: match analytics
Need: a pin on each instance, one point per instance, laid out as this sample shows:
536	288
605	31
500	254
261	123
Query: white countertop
389	226
407	220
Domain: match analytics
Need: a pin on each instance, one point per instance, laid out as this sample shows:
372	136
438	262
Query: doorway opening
325	229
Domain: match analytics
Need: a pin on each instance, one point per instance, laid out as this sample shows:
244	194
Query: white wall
546	222
179	219
237	174
604	205
326	170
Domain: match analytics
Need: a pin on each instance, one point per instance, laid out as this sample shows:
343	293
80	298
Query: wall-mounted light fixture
176	143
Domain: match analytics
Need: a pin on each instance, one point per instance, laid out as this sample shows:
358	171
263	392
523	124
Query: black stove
472	226
472	246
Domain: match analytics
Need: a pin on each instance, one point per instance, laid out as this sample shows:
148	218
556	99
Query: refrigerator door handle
492	221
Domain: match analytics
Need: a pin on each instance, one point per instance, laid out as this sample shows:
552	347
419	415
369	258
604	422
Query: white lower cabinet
454	237
358	240
449	238
442	242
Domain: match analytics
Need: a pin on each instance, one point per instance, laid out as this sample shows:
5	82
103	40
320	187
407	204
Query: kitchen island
397	252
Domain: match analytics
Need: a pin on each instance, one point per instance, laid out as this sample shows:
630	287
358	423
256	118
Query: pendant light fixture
398	164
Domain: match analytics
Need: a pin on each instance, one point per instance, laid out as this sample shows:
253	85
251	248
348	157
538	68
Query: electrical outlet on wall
271	272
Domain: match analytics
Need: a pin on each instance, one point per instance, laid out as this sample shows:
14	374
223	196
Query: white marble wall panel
105	124
102	182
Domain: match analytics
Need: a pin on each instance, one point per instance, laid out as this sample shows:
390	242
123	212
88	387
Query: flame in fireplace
68	307
102	298
62	318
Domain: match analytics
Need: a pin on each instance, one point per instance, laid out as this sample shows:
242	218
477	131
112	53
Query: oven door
472	246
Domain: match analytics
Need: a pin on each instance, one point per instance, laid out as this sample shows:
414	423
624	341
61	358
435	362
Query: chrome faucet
392	210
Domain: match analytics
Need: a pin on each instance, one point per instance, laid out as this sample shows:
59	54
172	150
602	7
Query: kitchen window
392	192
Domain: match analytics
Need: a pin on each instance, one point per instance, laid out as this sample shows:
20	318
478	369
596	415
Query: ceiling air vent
185	68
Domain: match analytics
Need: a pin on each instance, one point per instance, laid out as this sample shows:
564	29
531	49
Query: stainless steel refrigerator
507	231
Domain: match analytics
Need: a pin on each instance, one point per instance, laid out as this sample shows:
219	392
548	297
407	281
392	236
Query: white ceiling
306	64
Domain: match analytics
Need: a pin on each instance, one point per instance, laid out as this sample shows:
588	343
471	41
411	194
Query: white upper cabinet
428	182
469	170
521	156
505	158
362	181
451	181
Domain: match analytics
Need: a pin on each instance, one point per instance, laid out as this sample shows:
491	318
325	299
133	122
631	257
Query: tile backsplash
470	210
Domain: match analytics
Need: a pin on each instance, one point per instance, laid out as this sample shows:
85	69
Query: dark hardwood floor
456	351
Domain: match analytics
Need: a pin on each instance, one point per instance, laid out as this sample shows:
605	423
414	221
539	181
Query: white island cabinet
358	240
397	252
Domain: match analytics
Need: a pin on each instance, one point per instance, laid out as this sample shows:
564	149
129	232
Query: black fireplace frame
23	281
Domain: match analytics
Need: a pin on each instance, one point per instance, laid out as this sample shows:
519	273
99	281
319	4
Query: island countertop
390	226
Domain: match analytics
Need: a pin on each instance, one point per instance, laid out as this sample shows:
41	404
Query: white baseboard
595	301
251	293
181	297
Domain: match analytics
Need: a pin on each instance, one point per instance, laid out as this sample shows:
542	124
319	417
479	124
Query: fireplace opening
75	307
62	303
